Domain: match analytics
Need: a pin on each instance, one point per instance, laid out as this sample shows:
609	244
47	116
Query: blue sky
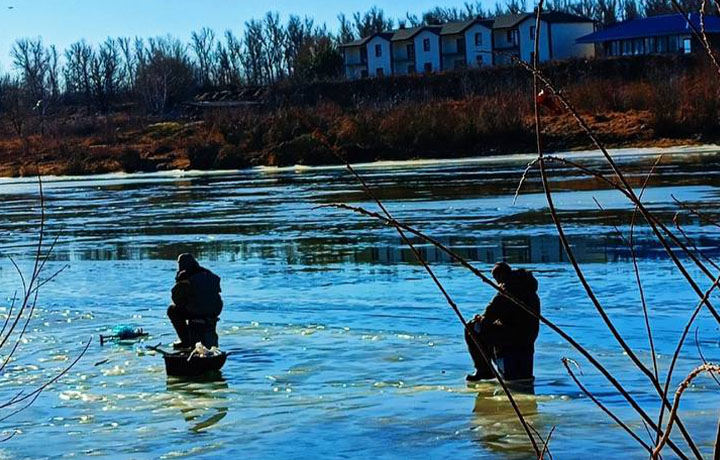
62	22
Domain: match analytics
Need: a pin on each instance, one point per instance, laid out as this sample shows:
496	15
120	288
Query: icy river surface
342	346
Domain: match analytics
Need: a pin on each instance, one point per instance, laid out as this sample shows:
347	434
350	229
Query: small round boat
177	364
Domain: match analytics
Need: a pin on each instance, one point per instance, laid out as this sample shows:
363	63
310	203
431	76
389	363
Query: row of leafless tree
160	72
605	12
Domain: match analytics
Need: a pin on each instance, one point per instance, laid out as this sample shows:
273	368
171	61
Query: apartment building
467	44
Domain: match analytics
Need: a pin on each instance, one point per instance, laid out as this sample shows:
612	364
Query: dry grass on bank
659	108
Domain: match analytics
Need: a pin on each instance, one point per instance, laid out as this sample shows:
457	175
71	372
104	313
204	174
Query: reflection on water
341	346
201	400
495	425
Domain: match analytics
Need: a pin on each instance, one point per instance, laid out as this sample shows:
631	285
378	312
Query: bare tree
346	33
129	63
655	7
38	67
15	105
77	69
32	60
106	74
370	22
274	44
164	73
203	45
606	12
629	10
254	52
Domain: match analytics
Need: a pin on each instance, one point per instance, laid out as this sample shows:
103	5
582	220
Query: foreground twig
31	286
558	224
602	407
451	303
456	258
678	394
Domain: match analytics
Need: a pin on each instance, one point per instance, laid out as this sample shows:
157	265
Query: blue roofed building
664	34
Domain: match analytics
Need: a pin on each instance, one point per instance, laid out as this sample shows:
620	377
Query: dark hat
501	267
501	271
187	262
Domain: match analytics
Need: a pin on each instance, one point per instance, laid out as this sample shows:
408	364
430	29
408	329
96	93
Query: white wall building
416	49
403	57
379	61
369	56
468	44
427	50
558	35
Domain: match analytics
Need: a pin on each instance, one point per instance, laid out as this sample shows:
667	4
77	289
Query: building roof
363	41
504	21
507	21
666	24
452	28
560	17
407	34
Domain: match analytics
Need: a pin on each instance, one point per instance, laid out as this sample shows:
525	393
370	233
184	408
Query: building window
428	67
363	55
532	33
626	47
651	45
478	39
638	46
460	43
687	46
426	44
411	51
509	36
378	50
479	60
380	72
411	69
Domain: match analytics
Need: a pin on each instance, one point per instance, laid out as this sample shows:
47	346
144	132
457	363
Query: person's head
187	263
501	272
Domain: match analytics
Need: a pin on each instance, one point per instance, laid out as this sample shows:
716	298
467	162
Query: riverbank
162	146
629	102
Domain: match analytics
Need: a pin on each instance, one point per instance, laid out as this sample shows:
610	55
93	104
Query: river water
342	345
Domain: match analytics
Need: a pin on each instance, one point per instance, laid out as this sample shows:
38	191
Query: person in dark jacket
196	304
504	325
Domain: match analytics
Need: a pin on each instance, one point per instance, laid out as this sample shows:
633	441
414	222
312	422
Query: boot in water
478	376
179	345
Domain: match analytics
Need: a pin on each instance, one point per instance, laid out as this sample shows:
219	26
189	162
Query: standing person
505	326
196	305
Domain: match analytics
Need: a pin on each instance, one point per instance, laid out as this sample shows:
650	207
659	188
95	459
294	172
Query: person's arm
181	293
493	311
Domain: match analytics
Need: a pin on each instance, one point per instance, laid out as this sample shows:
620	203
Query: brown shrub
232	157
306	149
202	155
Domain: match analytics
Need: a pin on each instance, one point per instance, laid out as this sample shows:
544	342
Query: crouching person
505	331
196	305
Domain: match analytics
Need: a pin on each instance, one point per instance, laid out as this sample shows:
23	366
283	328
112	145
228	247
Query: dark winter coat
520	327
198	292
